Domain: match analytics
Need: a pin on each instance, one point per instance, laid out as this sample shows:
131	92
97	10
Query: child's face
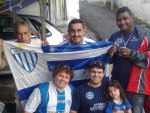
114	92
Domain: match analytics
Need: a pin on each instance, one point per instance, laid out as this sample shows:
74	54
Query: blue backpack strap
42	108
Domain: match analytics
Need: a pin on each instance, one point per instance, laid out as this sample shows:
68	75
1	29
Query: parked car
53	35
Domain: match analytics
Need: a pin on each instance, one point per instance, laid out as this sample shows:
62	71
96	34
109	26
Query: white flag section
32	65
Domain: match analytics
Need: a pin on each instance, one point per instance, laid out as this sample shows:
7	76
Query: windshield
6	28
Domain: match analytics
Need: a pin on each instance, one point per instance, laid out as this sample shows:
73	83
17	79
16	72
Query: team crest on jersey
27	59
118	41
89	95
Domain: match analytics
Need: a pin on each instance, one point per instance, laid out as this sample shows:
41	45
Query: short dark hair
21	22
98	64
124	9
74	21
63	67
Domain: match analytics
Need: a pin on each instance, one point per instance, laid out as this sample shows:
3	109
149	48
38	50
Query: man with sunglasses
89	97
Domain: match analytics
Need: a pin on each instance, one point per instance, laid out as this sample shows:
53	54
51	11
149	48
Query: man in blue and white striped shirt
53	96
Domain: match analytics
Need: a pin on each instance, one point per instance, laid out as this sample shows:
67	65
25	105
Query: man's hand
124	52
113	49
1	50
1	44
118	111
72	111
44	43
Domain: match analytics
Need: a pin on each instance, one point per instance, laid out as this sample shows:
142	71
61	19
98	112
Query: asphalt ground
99	19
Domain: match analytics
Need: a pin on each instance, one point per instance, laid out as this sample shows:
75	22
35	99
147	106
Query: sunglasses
65	66
97	63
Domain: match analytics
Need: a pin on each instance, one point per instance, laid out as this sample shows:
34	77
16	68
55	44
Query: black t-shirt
87	99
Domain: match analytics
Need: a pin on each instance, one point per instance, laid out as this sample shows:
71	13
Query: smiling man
126	53
76	32
54	96
89	97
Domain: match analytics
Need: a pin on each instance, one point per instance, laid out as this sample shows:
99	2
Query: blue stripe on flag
33	63
70	48
25	93
28	66
77	83
77	64
22	64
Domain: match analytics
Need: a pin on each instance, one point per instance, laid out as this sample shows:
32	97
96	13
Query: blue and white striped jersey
58	101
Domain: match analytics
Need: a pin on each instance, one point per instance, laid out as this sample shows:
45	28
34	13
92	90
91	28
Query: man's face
76	33
61	80
125	21
96	75
23	34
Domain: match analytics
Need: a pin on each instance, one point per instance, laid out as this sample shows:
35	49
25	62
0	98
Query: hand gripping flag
32	65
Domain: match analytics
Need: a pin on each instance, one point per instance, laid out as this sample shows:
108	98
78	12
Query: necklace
127	40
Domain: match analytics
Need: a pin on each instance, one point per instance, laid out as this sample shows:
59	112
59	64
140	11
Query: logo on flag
27	59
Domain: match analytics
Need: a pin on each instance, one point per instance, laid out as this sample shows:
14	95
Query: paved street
100	19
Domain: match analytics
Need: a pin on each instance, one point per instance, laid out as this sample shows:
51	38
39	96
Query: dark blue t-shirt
122	66
87	99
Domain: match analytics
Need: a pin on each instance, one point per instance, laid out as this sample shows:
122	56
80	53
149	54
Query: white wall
94	0
32	9
72	9
62	11
90	1
140	8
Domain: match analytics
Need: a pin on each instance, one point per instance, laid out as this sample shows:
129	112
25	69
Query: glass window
37	26
6	28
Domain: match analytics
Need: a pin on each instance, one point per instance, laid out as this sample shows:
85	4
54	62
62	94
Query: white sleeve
33	101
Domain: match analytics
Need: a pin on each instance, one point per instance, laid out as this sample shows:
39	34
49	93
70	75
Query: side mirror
48	34
33	36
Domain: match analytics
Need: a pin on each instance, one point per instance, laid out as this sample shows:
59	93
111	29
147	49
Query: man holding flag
130	56
32	65
76	31
22	32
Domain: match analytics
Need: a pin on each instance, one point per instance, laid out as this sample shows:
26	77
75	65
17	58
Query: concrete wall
61	10
90	1
140	8
94	0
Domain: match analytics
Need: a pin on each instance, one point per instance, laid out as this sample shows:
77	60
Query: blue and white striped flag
8	4
32	65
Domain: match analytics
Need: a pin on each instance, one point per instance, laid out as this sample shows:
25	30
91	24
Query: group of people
130	58
61	97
